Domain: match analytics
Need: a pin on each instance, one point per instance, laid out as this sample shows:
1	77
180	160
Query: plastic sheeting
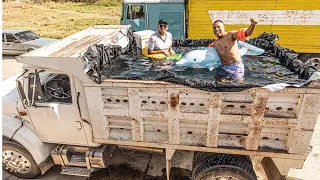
287	57
277	65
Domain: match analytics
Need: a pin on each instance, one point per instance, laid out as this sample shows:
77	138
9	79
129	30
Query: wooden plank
134	113
205	149
173	116
257	113
213	120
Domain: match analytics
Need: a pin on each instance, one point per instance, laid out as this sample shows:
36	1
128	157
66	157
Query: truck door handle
78	125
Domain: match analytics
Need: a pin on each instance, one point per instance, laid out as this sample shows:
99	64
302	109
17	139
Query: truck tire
222	166
312	59
16	160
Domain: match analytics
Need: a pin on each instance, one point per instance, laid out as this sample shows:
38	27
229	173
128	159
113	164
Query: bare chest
225	44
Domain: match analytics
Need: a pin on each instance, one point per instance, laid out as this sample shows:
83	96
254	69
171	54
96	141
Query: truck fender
31	49
11	128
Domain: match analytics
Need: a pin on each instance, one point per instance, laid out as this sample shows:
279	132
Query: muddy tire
16	160
222	166
311	59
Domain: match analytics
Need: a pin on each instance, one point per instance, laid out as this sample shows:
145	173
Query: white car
16	42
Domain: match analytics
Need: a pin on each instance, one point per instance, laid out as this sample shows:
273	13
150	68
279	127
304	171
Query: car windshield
27	36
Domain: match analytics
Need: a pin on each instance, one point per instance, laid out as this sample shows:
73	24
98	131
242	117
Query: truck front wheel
17	161
222	166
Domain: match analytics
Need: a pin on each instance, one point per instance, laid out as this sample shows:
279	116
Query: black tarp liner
277	65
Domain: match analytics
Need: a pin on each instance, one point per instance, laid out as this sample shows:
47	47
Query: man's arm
250	30
151	50
171	51
165	52
213	44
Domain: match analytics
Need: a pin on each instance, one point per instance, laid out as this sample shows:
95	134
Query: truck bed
163	115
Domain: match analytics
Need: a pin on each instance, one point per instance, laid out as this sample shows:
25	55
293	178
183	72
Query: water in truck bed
259	71
276	65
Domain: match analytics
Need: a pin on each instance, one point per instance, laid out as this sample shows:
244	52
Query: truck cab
144	15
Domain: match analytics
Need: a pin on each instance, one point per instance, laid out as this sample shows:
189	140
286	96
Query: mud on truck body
57	115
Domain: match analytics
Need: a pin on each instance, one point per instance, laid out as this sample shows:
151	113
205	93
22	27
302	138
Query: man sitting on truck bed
227	48
161	41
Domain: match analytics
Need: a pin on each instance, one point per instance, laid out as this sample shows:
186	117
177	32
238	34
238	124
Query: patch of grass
108	3
58	20
62	29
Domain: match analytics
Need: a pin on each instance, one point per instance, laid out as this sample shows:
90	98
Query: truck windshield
135	12
27	36
50	87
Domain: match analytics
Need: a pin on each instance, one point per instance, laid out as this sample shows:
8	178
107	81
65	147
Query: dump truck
296	22
56	115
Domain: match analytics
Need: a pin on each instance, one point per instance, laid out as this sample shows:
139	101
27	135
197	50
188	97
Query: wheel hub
315	62
225	178
15	161
214	176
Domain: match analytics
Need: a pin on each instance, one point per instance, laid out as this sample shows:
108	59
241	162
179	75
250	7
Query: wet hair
218	21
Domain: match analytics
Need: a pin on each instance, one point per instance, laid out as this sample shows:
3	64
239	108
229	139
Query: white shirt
157	43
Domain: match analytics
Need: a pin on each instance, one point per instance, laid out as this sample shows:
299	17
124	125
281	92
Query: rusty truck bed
164	115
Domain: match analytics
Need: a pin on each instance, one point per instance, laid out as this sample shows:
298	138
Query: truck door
135	15
53	108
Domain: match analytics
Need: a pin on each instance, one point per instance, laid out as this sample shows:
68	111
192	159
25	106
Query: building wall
297	22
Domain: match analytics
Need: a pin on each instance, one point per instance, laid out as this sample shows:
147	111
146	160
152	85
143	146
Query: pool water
259	70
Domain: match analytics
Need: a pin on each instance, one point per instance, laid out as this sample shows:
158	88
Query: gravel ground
10	67
311	168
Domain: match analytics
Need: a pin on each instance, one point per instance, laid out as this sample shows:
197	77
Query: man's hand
166	52
253	21
171	51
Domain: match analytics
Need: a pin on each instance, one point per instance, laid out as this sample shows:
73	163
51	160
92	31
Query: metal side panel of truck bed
164	115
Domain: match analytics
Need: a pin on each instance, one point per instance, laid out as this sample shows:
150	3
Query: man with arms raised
227	48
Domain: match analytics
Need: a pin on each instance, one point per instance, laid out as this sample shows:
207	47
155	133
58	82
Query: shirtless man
227	48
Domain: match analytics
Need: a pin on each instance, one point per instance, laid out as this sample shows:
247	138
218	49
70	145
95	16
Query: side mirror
16	41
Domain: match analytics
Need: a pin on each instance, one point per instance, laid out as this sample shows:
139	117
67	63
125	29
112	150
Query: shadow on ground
125	171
